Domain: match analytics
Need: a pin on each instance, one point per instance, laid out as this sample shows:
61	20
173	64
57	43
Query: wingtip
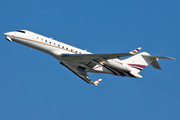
172	58
135	51
97	82
140	48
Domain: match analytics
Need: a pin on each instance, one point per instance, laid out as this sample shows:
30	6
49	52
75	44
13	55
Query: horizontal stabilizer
155	64
160	57
154	60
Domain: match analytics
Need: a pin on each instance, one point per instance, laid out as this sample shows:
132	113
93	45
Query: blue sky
34	86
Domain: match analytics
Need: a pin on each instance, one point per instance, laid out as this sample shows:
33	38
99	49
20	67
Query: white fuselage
56	49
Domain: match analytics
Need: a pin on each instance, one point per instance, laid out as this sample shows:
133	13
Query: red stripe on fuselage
136	65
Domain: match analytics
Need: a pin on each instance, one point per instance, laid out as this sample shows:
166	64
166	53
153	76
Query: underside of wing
80	73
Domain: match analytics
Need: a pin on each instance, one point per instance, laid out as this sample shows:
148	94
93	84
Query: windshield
21	31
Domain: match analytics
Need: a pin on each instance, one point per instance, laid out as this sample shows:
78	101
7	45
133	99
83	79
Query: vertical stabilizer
137	62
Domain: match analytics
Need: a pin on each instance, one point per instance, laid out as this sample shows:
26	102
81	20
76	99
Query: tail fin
140	61
97	82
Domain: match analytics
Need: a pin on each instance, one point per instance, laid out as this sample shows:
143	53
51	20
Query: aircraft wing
87	58
77	63
81	74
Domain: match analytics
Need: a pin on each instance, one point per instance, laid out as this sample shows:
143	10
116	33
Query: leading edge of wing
98	56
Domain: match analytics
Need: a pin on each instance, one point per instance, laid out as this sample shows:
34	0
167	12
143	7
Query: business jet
80	62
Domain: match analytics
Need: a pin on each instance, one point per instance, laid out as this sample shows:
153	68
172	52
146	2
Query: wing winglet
135	51
97	82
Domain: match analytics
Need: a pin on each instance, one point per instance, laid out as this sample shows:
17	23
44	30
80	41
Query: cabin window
54	43
66	48
50	42
71	50
79	52
41	39
62	46
58	45
45	40
37	37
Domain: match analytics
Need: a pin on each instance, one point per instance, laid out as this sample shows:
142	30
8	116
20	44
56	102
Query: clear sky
34	86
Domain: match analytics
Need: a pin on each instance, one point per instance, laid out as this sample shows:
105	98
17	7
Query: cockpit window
21	31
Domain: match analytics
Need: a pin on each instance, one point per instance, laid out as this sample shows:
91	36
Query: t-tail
140	61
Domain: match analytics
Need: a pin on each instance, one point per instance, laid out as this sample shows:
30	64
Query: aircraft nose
9	34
